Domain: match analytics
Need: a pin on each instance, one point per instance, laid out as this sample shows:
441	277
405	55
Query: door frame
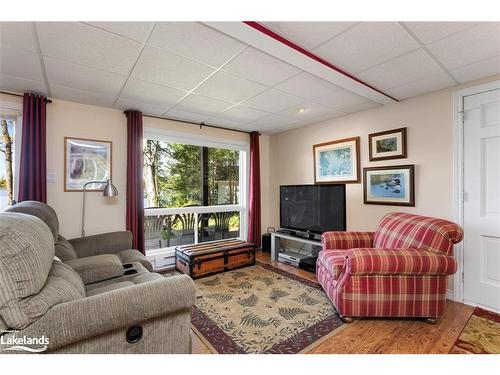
458	178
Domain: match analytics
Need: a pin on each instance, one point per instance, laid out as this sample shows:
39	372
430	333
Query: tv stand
285	234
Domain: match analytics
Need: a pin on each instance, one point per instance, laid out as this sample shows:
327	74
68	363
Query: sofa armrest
106	243
346	240
367	261
88	317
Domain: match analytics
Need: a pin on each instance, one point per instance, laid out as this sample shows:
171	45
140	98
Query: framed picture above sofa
392	185
390	144
337	161
86	160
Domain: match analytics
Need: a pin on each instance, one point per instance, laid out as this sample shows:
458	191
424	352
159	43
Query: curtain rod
21	95
202	125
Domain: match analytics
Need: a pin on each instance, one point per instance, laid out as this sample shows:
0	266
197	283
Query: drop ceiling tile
243	114
367	44
260	67
138	31
273	101
312	110
80	77
484	68
18	35
228	87
178	114
401	70
16	84
307	86
203	105
20	64
146	108
146	92
81	96
164	68
276	122
308	34
87	45
422	86
466	47
361	107
428	32
195	41
225	122
339	99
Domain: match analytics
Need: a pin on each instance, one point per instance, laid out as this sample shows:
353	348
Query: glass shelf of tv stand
276	238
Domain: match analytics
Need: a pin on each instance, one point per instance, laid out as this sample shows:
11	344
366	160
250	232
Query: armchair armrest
399	261
88	317
106	243
346	240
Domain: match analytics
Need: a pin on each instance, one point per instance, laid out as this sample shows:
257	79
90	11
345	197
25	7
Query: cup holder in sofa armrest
131	271
127	265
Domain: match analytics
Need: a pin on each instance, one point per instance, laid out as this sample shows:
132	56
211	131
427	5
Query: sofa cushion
109	287
146	278
25	261
131	255
97	268
64	249
68	274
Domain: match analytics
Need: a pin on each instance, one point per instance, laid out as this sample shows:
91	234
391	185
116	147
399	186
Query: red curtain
135	187
254	223
33	162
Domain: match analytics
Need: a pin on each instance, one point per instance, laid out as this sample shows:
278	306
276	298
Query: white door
482	199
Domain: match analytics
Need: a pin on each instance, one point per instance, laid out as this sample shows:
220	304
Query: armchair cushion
399	262
64	249
97	268
106	243
346	240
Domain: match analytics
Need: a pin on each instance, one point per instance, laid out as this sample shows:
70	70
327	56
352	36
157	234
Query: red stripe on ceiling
263	29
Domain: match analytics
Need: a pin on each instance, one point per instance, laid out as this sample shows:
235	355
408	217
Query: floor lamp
109	191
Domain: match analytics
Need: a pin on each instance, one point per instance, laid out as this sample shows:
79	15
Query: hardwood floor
365	336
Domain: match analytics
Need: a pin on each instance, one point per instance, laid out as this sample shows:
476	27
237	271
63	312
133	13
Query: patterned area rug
261	309
481	334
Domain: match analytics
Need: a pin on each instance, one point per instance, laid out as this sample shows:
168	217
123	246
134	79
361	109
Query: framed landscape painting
393	185
337	161
86	160
390	144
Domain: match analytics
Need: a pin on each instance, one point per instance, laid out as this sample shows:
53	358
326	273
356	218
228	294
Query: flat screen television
313	208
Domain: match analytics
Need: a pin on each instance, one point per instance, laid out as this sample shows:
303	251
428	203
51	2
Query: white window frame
170	136
17	108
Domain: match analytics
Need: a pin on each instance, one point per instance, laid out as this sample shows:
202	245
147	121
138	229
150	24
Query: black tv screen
313	208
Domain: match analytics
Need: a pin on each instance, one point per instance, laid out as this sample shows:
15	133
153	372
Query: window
8	141
193	191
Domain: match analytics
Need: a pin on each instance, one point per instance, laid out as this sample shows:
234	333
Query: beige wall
429	119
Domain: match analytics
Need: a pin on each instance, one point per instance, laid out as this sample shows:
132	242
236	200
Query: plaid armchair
400	270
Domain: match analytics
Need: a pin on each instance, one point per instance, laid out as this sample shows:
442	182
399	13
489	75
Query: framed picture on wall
337	161
394	185
86	160
390	144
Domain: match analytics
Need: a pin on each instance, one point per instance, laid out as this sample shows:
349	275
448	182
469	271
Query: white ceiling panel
311	111
81	96
474	44
422	86
203	105
87	45
428	32
361	107
146	92
21	85
243	114
146	108
18	35
228	87
308	34
80	77
138	31
276	122
477	70
401	70
366	45
225	122
195	41
340	99
164	68
260	67
307	86
178	114
20	64
273	101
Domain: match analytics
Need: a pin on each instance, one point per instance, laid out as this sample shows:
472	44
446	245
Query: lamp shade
109	190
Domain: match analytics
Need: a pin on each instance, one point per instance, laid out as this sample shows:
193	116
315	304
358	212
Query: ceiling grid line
40	57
